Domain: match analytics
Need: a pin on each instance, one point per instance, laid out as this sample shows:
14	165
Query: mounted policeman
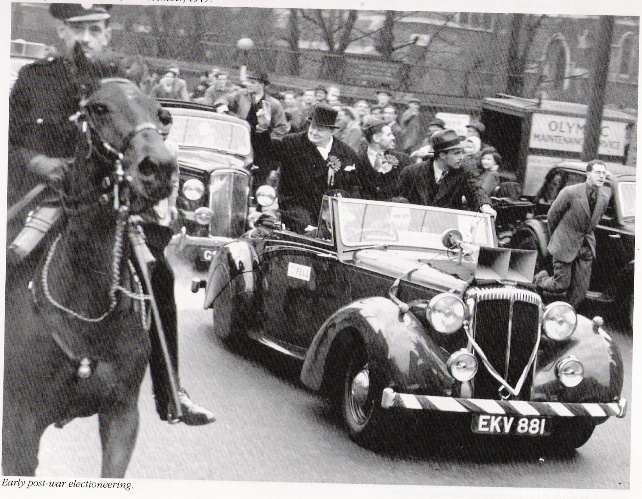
42	140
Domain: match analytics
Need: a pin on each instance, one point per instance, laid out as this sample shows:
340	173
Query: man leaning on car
443	181
312	163
572	219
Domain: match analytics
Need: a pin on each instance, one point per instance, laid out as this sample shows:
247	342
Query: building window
475	20
628	56
555	65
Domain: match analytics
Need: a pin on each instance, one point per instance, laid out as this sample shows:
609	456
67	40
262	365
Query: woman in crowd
490	163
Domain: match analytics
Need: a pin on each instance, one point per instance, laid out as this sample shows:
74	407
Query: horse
77	319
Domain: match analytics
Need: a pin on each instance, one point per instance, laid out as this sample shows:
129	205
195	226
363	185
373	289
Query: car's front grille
506	327
229	191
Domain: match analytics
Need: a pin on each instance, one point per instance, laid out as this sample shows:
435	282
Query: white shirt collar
325	150
439	171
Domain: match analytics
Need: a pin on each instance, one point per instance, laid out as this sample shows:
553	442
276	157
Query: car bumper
185	240
392	400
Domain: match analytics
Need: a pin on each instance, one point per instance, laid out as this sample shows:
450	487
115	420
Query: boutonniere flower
390	161
334	165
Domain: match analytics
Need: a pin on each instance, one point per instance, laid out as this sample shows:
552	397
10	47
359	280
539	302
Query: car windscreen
371	222
193	131
626	196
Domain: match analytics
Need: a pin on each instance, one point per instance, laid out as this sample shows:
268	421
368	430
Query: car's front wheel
361	409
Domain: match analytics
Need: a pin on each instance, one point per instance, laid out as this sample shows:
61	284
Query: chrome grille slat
505	326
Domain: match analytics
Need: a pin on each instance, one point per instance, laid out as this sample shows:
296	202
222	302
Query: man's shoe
193	415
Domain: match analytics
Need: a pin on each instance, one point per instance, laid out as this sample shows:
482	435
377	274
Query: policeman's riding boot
193	415
38	223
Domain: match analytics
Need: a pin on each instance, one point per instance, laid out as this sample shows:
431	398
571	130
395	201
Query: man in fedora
42	142
312	163
380	164
442	181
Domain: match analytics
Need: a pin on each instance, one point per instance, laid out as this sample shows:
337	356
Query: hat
437	122
445	140
322	88
76	12
413	98
477	125
174	70
324	115
384	90
258	76
371	126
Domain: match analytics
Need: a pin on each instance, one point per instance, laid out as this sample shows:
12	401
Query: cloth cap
371	126
413	98
477	125
324	115
437	122
445	140
77	12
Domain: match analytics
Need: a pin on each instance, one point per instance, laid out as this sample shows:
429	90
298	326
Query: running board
282	347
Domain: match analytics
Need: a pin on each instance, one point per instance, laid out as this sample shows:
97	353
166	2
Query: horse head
131	163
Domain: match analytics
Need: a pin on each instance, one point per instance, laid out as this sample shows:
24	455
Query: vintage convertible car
215	161
613	269
400	308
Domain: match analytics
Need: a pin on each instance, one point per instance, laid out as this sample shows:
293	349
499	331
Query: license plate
495	424
206	254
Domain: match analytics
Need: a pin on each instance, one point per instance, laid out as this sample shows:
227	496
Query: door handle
614	236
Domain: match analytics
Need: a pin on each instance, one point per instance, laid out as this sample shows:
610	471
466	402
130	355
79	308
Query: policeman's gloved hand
52	169
269	220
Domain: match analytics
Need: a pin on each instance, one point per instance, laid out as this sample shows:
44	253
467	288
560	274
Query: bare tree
522	34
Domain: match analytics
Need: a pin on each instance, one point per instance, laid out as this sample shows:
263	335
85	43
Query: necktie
443	176
592	199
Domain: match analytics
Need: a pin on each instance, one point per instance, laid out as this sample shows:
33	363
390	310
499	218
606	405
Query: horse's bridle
115	155
108	152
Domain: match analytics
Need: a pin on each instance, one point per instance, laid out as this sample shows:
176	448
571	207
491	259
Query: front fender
534	228
233	263
602	361
400	353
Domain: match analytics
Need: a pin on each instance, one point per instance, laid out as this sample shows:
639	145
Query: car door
302	286
612	253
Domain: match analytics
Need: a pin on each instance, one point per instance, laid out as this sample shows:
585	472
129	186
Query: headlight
462	365
446	312
193	189
570	371
265	195
559	320
203	216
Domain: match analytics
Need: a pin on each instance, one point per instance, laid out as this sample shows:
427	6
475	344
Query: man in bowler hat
442	181
312	163
572	219
42	142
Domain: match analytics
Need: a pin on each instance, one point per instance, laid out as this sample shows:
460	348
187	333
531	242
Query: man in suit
312	163
572	219
245	103
379	164
442	181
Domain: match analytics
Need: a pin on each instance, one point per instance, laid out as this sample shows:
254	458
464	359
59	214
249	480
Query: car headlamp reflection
559	320
570	371
446	313
462	365
193	189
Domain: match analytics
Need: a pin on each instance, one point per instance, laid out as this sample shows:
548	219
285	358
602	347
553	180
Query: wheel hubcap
359	396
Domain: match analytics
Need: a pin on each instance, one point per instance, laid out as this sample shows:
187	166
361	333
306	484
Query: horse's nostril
147	167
